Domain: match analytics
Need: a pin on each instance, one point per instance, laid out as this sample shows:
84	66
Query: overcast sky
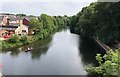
51	7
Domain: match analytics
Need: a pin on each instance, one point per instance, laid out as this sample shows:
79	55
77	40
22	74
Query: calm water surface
63	53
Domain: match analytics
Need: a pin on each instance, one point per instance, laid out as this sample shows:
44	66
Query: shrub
23	38
109	64
13	38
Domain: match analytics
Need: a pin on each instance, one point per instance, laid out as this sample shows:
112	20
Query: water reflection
36	53
88	51
39	48
63	53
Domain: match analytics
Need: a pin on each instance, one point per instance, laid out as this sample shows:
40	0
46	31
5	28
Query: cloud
48	0
51	8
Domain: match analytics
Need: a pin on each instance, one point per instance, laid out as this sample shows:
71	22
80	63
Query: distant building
3	32
7	30
11	24
5	20
22	30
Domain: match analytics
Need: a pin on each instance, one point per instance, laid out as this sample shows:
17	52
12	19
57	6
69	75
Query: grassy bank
21	40
16	40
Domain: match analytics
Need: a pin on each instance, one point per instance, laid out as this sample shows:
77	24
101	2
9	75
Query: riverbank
107	47
102	45
42	28
6	44
29	40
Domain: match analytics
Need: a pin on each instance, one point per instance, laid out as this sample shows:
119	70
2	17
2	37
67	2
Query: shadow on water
88	51
39	48
13	51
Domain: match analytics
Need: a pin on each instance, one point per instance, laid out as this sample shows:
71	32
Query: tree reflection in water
88	51
39	48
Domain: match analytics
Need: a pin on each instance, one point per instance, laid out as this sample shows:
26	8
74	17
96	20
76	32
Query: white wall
20	28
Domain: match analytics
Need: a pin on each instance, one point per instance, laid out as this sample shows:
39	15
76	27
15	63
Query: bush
13	38
109	64
23	38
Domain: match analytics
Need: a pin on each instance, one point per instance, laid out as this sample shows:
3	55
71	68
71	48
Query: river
62	53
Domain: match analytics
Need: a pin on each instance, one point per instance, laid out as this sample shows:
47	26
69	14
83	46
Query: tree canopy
100	20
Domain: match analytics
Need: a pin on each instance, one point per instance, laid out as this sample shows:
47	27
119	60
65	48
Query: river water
62	53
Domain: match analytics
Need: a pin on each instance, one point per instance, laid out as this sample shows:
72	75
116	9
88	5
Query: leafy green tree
21	14
109	64
47	22
35	26
100	20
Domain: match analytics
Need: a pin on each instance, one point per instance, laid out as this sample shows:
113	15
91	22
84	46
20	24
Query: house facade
22	30
5	20
11	24
3	32
7	30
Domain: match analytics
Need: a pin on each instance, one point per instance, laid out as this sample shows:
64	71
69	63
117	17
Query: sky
50	7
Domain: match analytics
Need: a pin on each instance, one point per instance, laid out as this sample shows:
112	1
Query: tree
35	25
100	20
109	64
21	14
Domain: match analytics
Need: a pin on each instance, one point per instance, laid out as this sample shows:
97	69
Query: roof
14	24
8	27
15	18
6	14
21	18
12	19
29	18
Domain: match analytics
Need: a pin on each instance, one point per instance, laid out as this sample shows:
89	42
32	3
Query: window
23	30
